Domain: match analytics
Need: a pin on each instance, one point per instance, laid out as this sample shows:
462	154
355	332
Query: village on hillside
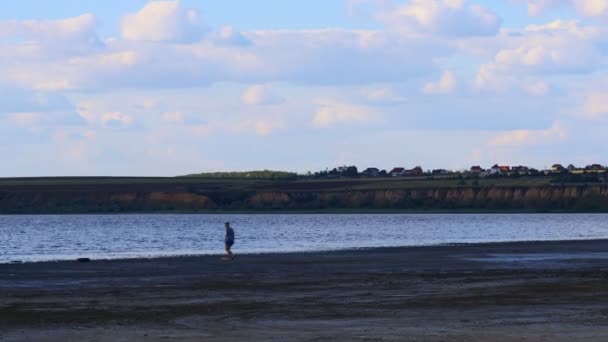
475	171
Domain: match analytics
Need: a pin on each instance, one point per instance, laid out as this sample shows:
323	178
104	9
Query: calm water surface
58	237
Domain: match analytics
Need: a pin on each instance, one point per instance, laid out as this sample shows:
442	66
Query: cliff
294	196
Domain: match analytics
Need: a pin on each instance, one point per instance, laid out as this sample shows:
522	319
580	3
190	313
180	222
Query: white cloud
557	46
331	113
595	106
524	58
227	35
524	137
14	99
332	56
36	120
536	7
23	119
23	41
173	117
382	95
590	8
260	126
265	127
116	120
445	85
163	21
76	29
261	95
442	17
491	78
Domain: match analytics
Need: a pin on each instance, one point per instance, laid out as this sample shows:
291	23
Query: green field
283	185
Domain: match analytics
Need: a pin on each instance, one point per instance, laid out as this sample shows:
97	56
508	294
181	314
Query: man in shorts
229	240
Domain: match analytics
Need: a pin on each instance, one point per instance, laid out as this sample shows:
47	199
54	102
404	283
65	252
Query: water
60	237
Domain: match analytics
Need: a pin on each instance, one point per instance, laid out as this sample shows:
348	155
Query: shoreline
475	292
345	211
161	257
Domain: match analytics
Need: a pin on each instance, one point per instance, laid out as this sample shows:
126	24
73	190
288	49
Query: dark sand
544	291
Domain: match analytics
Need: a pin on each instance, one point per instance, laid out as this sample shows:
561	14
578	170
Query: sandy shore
547	291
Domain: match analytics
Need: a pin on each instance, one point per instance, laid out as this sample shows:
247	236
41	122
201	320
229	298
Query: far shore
553	291
360	195
319	212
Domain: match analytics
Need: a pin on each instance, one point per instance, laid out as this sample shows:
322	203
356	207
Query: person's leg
228	251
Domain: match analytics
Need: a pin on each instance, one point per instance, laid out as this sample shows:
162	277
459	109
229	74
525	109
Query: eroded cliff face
546	198
168	200
567	198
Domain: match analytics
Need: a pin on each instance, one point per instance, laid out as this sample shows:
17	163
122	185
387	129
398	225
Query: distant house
415	172
498	169
440	172
521	170
397	172
595	168
344	172
575	170
557	168
371	172
476	169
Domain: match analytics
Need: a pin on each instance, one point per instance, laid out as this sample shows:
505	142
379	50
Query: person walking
229	241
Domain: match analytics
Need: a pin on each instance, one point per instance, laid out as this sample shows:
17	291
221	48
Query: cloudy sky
139	87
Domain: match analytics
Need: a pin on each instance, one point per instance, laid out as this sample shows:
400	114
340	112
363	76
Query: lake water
61	237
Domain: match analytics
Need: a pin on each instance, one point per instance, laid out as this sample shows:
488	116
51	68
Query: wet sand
536	291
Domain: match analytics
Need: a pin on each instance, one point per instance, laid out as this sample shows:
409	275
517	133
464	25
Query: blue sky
247	14
173	87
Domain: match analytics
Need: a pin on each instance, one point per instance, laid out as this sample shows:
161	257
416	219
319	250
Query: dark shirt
229	235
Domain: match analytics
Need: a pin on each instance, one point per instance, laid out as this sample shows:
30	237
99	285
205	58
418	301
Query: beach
547	291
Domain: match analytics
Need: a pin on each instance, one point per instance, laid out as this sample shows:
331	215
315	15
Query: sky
164	88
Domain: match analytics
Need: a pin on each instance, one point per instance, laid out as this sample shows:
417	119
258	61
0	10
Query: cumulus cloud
163	21
382	95
523	137
260	126
536	7
16	99
76	29
523	58
261	94
595	106
264	127
331	113
116	120
35	109
590	8
442	17
490	78
173	117
445	85
557	46
332	56
227	35
44	40
35	120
